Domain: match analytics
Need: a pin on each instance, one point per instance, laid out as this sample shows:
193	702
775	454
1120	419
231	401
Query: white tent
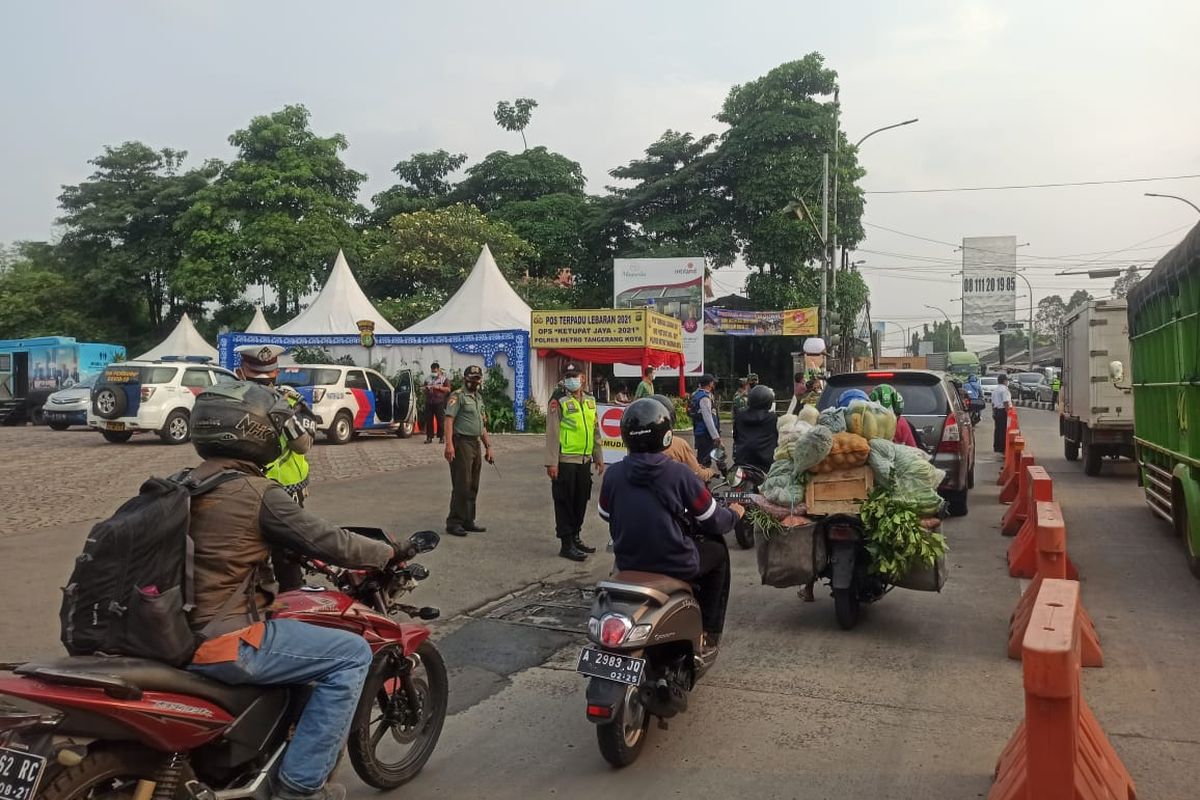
485	302
259	323
185	340
337	309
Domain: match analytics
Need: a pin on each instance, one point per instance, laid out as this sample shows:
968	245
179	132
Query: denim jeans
335	662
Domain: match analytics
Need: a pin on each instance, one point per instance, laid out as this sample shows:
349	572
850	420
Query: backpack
131	589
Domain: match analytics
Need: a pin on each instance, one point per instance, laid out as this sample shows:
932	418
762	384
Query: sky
1006	93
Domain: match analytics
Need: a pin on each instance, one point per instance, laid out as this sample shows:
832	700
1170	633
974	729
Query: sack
811	449
925	577
849	451
791	557
870	420
130	591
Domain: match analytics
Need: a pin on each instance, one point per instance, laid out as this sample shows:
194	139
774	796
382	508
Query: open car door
405	407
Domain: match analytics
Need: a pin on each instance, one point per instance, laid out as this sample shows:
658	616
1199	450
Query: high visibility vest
577	425
290	469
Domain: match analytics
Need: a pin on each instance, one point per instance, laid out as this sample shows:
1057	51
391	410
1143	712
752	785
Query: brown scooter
648	632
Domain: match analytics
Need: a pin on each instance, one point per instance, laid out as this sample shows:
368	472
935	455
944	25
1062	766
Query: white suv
137	396
350	400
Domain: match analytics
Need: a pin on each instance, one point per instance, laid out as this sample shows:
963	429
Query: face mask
573	384
472	383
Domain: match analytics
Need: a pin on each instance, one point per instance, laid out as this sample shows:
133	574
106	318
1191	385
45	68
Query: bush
535	417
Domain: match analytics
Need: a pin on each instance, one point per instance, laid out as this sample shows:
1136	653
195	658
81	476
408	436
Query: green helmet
888	397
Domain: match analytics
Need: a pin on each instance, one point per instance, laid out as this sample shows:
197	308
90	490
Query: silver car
68	407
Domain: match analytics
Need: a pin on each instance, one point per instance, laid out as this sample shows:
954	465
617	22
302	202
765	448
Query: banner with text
605	327
989	283
728	322
671	286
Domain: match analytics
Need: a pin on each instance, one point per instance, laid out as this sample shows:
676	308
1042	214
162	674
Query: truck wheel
1183	527
1070	450
1091	459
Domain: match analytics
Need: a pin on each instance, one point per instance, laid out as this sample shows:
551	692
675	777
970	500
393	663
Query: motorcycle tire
846	608
744	534
382	694
106	770
621	741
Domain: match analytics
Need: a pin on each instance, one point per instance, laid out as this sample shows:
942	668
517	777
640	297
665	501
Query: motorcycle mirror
424	541
1116	371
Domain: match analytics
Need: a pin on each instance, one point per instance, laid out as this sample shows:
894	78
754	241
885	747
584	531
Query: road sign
610	422
610	432
999	326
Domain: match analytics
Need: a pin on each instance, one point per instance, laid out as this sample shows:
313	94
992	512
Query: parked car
1031	386
934	409
68	407
156	396
987	383
348	401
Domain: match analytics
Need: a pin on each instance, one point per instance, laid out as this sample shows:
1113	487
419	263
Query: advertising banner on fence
989	283
610	432
728	322
606	328
671	286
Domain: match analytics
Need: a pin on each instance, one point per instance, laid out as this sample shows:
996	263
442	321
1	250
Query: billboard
792	322
671	286
989	283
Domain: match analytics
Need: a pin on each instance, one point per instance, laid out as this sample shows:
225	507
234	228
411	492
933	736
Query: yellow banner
606	328
800	322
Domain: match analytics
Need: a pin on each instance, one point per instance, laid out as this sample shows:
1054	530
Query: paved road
915	703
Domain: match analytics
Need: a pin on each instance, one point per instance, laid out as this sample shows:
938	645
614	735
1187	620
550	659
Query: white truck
1095	413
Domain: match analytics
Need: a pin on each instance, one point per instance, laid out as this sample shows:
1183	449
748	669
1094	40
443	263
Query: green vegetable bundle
896	539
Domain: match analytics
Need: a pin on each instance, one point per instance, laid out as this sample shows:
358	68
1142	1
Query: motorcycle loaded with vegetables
846	504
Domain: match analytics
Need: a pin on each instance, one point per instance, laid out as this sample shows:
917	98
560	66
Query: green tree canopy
516	116
38	297
1125	282
1049	316
1078	298
423	184
506	178
278	212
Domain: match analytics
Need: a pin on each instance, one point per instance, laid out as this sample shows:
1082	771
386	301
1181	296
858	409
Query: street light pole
1174	197
1028	333
949	325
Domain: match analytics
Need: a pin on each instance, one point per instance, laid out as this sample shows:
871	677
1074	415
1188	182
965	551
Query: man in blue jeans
236	429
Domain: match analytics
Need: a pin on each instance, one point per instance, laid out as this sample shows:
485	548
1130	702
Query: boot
581	547
569	551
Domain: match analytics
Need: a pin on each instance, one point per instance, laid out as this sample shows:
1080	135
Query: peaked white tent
337	309
259	323
185	340
485	302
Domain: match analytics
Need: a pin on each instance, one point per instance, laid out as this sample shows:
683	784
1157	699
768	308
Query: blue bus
32	369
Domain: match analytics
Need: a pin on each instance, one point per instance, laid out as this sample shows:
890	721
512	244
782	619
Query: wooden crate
839	492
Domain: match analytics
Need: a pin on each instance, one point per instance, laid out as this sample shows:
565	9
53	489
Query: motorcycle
736	485
848	567
140	730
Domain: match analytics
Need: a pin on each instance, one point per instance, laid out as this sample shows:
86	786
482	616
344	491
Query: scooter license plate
610	666
20	773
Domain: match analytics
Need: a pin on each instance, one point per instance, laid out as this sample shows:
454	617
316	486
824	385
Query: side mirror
424	541
1116	371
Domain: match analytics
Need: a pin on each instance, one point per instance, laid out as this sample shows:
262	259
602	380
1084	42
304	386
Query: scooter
134	728
736	485
848	567
647	658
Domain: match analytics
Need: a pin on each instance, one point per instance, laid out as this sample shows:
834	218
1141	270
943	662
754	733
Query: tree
423	184
554	225
937	336
515	116
1080	297
1050	312
415	264
120	232
506	178
278	212
39	298
1125	282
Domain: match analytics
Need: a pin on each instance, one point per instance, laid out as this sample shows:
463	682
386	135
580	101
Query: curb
1034	404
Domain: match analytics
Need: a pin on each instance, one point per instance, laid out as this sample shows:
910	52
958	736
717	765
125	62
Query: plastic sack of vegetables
834	419
849	451
810	415
914	480
870	420
786	421
811	449
882	459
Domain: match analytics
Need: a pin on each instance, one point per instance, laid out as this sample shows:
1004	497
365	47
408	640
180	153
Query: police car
347	401
157	396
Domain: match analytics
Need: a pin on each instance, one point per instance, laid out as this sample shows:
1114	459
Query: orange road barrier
1052	562
1059	752
1009	465
1023	551
1008	492
1016	514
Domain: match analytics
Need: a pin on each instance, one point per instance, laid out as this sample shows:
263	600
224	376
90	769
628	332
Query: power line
1032	185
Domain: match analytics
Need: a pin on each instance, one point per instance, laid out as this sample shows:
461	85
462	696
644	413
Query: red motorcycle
93	727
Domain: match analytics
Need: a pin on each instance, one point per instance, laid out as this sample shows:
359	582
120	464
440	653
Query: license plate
734	497
113	426
610	666
19	774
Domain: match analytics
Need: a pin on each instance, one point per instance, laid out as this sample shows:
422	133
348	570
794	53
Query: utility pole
825	263
834	261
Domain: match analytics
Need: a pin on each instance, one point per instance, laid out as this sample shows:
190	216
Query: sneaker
330	791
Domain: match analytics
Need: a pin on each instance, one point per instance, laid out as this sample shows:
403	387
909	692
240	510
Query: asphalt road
917	702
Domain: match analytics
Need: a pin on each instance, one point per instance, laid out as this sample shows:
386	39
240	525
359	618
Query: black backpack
131	589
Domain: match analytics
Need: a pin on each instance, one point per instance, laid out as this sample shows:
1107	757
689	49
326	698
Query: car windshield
139	373
923	394
988	381
309	376
1030	377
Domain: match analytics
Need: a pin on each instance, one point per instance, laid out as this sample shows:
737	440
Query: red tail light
951	436
603	712
613	629
874	375
843	532
147	393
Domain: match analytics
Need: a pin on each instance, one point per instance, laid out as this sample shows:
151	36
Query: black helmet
646	426
666	403
239	420
761	398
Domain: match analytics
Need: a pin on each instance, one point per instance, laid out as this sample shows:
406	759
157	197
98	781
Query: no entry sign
610	432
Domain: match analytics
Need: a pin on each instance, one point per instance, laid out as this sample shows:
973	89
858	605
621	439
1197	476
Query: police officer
466	427
260	364
1055	387
572	446
706	425
740	401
